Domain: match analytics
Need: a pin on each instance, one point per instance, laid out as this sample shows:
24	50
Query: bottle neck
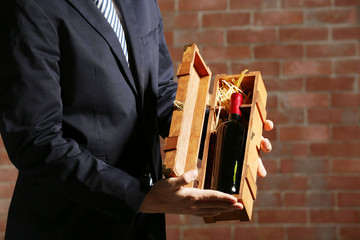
235	104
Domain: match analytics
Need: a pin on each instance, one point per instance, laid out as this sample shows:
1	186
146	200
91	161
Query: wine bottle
230	148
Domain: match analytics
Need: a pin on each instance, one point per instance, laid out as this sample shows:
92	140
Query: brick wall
8	176
309	55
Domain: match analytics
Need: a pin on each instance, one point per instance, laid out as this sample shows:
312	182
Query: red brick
349	133
192	220
347	2
304	166
173	233
166	5
169	37
308	133
349	199
303	34
333	115
346	100
278	51
4	207
259	233
278	18
2	223
176	53
312	233
347	66
180	20
266	68
184	37
270	164
287	84
330	84
297	199
331	50
308	100
320	199
268	199
317	199
6	190
305	3
207	233
252	4
272	101
346	33
332	16
226	53
289	149
271	135
8	174
251	36
201	5
286	116
282	216
4	158
335	149
219	68
283	182
225	19
173	219
317	182
343	182
346	165
307	67
334	216
349	232
1	143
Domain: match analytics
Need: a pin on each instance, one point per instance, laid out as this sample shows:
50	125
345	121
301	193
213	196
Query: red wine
230	148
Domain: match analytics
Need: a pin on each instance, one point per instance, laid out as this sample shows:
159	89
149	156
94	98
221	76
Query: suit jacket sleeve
31	120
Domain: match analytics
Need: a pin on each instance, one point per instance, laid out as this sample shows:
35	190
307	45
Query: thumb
184	179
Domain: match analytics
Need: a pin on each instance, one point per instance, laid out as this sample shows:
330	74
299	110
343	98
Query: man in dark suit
81	123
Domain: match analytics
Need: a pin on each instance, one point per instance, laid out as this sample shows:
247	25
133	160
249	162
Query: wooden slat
197	124
210	129
251	182
170	143
186	125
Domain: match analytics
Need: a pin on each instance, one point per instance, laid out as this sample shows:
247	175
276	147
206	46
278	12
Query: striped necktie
107	8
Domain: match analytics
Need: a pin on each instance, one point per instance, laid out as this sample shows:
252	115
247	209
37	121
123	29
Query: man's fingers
265	145
184	179
261	169
269	125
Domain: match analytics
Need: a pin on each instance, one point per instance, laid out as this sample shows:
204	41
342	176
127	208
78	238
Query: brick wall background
309	55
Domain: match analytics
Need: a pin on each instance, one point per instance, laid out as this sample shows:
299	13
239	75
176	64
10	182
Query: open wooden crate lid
182	146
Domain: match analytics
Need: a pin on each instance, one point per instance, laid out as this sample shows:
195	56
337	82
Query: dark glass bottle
230	148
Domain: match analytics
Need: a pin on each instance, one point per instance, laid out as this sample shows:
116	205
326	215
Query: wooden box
188	123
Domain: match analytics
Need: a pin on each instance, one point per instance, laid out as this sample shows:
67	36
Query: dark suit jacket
81	127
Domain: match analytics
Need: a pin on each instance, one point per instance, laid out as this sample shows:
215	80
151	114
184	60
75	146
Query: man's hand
265	147
169	196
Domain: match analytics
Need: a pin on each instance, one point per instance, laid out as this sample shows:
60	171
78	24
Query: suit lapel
95	18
